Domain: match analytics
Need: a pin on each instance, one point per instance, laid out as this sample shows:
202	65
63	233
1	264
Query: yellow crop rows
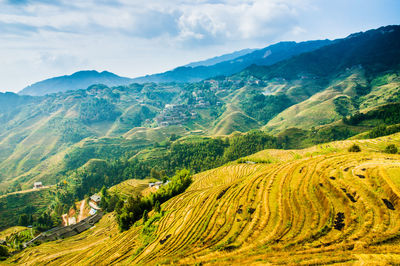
314	206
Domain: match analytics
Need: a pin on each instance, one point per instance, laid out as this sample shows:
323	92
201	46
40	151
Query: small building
158	184
92	211
37	185
94	202
95	199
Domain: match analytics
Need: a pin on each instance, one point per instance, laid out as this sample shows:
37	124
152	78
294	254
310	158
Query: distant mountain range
266	56
224	65
219	59
76	81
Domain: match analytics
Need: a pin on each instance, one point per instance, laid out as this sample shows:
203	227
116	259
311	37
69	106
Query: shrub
4	251
391	148
354	148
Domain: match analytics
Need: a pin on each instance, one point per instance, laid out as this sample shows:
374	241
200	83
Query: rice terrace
319	205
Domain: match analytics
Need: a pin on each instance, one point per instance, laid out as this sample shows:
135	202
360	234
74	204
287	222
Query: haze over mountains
224	65
219	59
76	81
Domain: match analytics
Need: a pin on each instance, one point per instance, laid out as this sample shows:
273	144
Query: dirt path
26	191
81	209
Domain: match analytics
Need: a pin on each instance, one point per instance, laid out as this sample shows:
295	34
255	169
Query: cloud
42	38
221	22
206	22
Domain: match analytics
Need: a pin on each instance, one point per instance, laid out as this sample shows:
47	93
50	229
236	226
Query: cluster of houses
94	203
173	114
201	103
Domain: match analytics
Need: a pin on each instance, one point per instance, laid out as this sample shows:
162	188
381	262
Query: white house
37	185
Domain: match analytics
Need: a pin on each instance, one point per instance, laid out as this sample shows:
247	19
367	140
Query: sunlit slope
319	205
337	100
131	187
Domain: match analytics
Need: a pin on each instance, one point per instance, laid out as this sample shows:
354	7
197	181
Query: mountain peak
78	80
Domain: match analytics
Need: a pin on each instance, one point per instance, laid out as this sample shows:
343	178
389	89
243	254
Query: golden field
321	205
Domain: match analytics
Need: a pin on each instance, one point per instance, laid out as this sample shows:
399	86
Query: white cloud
40	38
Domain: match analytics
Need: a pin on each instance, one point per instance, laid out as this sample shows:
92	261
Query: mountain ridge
265	56
193	72
78	80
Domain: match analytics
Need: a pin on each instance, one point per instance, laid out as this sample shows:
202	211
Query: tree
104	192
112	203
157	207
391	148
354	148
145	216
154	173
4	251
23	220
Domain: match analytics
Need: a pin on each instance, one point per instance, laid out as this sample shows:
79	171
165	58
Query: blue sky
46	38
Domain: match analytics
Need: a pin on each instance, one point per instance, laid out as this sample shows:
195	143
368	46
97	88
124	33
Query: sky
41	39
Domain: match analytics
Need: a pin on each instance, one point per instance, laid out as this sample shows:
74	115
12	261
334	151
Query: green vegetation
3	252
263	108
15	241
85	141
30	205
276	213
136	208
389	114
354	148
391	148
383	130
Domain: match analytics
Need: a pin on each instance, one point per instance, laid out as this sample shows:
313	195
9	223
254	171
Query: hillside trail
25	191
81	208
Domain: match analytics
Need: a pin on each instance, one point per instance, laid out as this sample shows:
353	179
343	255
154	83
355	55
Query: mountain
76	81
222	58
196	71
374	50
266	56
355	73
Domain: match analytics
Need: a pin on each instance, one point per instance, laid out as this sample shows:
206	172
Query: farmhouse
37	185
156	184
95	199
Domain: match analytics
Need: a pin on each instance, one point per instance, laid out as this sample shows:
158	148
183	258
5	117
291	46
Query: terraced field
320	205
131	187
